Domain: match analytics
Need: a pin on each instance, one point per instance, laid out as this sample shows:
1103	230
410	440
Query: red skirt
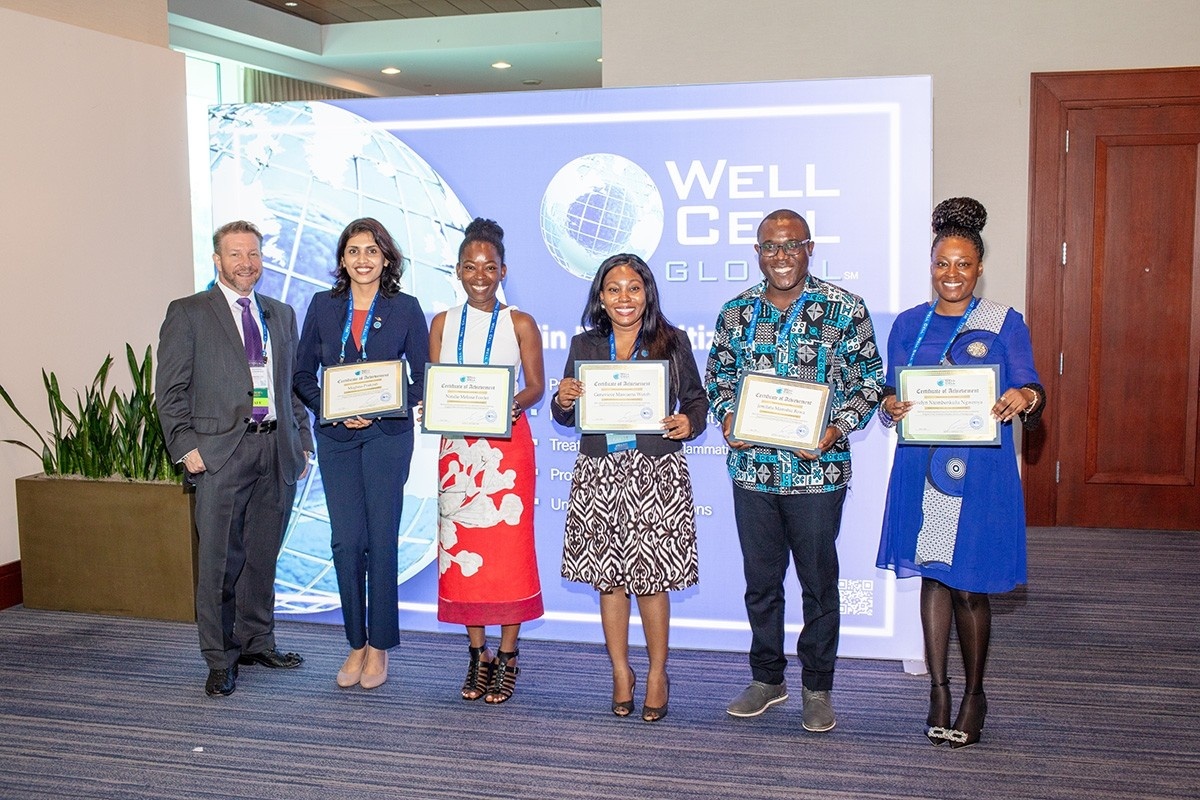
487	561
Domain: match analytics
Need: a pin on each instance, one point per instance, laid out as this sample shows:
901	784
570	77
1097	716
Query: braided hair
959	216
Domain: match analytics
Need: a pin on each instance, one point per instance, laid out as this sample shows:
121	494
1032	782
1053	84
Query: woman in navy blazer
364	462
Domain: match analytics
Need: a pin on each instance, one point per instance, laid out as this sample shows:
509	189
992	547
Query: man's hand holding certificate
785	413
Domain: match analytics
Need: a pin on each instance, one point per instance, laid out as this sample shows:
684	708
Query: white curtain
267	87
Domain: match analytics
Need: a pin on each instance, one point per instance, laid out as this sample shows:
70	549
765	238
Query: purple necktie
254	348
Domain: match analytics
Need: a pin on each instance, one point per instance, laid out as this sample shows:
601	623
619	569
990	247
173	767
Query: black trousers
804	527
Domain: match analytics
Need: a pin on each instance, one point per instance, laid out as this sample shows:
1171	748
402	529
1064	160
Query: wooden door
1121	326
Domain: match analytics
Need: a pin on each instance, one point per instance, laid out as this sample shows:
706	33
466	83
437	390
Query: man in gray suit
224	390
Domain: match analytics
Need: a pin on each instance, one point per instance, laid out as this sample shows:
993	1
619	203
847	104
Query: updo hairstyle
959	216
486	231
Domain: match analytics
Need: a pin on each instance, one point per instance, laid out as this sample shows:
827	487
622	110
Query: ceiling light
291	5
600	60
532	82
390	70
501	65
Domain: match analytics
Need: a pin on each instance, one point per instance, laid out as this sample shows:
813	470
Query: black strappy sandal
479	674
504	678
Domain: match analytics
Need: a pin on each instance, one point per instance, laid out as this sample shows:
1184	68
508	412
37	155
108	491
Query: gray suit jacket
203	385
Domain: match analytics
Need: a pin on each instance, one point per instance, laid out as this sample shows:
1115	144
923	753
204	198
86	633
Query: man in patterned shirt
793	324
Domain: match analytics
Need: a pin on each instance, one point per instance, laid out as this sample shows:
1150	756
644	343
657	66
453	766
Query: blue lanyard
362	339
462	332
783	331
612	346
925	328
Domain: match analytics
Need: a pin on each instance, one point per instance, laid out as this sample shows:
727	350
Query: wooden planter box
107	547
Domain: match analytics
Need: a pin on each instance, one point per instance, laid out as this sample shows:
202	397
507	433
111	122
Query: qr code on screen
858	597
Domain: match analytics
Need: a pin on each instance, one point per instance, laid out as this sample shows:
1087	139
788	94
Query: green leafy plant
104	434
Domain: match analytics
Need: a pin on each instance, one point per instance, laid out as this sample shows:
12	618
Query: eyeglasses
791	247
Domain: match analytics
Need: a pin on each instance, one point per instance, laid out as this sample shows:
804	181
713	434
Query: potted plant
106	527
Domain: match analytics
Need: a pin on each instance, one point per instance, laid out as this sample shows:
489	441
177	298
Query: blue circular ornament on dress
948	470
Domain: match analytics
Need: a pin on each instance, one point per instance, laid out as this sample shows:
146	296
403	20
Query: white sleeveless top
505	350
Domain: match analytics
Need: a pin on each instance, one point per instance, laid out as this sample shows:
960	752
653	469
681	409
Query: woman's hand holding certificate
468	400
363	389
948	405
621	397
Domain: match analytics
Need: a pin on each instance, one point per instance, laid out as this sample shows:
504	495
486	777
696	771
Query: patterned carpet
1093	687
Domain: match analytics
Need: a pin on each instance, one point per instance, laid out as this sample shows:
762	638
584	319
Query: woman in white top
487	561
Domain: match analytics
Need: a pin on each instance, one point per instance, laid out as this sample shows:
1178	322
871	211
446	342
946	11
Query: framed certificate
781	412
364	389
951	405
468	400
621	396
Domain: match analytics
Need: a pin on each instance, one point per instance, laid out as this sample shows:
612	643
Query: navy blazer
402	333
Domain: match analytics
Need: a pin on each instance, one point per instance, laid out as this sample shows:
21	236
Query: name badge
258	374
621	441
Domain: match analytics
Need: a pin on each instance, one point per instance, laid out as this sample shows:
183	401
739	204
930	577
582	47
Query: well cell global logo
598	205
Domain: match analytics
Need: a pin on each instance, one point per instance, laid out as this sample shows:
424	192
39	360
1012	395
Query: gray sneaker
818	711
757	698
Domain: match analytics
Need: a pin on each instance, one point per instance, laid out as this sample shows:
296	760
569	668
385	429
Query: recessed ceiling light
390	70
291	5
501	65
600	60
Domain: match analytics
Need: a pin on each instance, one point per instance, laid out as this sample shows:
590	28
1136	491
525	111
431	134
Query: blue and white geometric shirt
831	340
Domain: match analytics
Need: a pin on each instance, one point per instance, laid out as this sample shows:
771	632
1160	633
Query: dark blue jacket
402	333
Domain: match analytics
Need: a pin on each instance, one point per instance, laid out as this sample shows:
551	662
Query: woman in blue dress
955	516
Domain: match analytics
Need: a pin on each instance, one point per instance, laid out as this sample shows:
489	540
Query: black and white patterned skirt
631	523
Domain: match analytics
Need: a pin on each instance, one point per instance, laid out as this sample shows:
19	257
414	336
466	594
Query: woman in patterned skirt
955	516
487	563
631	526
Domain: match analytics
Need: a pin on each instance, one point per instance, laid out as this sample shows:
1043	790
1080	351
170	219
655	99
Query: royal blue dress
961	507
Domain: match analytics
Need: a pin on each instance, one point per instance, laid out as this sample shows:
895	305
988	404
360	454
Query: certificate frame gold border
969	439
502	428
809	445
398	409
652	425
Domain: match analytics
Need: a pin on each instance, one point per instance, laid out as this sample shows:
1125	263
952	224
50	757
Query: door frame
1052	96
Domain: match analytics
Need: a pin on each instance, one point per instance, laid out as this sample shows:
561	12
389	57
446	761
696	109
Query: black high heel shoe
969	725
479	674
623	708
655	713
937	724
504	678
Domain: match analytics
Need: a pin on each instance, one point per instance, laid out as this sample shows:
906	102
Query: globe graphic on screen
598	205
301	172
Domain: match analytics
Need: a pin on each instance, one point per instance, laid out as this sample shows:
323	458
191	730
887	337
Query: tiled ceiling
332	12
552	44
